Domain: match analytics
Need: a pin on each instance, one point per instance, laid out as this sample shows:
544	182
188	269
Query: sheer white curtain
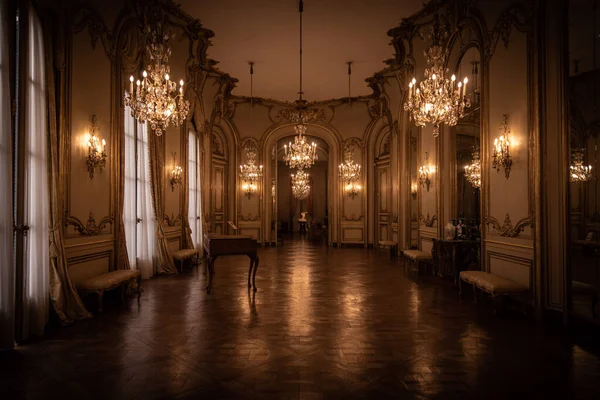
7	276
146	236
137	213
37	254
195	207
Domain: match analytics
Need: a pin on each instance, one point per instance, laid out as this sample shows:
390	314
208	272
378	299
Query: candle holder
176	174
424	172
96	157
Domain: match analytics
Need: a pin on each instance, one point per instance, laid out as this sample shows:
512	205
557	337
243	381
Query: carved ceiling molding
248	217
352	143
507	229
428	221
519	15
82	15
91	228
353	217
249	143
173	220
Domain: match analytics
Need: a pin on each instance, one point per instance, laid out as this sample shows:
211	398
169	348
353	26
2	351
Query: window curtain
193	194
7	275
36	202
137	209
157	174
63	296
146	240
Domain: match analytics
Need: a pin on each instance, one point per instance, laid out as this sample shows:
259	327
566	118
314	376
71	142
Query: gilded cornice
91	228
507	229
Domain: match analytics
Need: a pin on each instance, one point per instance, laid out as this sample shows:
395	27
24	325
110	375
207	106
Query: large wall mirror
584	187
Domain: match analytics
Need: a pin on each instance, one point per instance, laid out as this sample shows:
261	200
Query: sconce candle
501	156
96	157
176	174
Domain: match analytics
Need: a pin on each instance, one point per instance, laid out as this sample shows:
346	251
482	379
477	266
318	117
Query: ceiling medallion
437	99
156	99
300	185
579	172
250	173
473	170
350	174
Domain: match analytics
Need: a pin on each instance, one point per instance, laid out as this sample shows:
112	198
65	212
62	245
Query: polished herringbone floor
325	323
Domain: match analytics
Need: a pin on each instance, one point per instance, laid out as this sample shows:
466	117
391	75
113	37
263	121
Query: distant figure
302	221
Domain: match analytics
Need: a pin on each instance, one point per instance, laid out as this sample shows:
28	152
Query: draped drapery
122	167
157	173
63	296
36	187
192	198
7	275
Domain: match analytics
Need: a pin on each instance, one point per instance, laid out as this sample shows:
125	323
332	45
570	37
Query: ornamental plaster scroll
352	143
520	15
249	143
353	218
507	229
173	220
428	221
248	217
91	228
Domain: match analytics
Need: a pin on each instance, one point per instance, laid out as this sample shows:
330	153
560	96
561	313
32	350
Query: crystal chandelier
579	172
300	185
156	99
350	174
437	99
300	154
250	173
473	171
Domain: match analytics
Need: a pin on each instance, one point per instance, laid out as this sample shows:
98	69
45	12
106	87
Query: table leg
254	272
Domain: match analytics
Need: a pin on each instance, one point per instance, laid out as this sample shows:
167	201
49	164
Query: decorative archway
333	139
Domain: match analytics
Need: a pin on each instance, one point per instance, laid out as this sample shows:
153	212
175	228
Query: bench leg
100	295
474	294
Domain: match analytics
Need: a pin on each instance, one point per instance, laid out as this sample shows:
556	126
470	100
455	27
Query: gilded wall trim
173	220
428	221
353	218
248	217
507	229
91	228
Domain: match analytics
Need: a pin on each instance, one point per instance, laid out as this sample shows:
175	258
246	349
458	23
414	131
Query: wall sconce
272	187
176	174
424	172
502	149
352	190
249	189
250	173
413	188
96	157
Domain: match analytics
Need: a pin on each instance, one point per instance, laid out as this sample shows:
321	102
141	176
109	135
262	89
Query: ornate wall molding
91	228
507	229
428	221
248	217
520	15
353	218
288	115
172	220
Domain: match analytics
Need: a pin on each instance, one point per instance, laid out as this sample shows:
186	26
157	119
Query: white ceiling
267	32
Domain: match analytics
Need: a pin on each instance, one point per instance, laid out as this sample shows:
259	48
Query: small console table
216	245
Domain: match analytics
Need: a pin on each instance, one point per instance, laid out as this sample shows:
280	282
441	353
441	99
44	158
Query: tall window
36	202
195	206
7	276
137	213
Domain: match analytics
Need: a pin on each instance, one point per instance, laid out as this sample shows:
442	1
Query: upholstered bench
110	280
185	254
586	290
418	257
493	284
388	244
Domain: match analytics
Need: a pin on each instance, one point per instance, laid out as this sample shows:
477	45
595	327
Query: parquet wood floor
325	323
